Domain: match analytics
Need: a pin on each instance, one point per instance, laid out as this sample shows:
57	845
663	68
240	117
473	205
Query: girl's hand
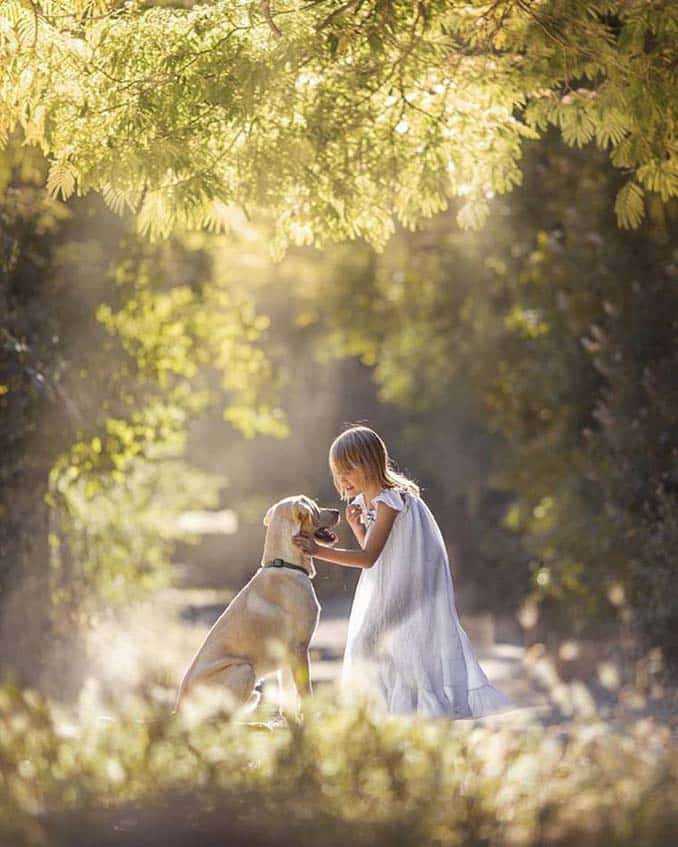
353	514
306	542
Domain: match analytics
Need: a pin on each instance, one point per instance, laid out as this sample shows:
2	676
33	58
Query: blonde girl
406	650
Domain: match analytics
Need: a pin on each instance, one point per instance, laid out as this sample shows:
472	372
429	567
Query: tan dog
268	625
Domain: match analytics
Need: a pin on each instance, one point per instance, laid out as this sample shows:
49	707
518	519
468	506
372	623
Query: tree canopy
338	118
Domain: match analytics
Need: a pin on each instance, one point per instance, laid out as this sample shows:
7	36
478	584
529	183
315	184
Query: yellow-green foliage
335	116
171	345
402	781
120	533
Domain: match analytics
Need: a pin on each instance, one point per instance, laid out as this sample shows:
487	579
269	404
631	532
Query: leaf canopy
337	118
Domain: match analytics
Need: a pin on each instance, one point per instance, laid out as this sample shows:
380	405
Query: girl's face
351	482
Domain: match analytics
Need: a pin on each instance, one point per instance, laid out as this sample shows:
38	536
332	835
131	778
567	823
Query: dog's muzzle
323	533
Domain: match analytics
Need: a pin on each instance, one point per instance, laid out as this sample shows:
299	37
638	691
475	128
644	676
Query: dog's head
304	515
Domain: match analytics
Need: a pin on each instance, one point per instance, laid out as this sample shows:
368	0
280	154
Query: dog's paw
278	721
298	719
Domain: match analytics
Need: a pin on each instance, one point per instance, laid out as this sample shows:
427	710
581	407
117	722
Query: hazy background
523	375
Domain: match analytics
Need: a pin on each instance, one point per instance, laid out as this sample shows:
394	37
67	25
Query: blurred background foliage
109	349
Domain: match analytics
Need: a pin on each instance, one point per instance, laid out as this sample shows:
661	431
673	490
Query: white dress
406	650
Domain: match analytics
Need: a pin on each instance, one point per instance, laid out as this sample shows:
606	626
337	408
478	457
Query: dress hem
479	702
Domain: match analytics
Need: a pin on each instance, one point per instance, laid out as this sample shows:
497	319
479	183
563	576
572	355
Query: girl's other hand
353	514
305	541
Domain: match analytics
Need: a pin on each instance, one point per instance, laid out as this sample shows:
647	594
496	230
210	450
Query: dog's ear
268	516
315	511
310	507
304	514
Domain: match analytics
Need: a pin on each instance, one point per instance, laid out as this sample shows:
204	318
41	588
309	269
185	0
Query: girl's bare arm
360	532
366	557
354	520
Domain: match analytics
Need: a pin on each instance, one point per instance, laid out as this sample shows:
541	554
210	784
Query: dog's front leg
289	701
301	670
294	680
288	698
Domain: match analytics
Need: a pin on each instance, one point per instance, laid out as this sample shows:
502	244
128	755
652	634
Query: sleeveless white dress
406	650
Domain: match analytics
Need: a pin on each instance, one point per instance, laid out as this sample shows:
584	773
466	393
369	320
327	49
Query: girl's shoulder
396	497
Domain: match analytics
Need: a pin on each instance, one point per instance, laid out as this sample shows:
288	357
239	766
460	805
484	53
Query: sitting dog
268	625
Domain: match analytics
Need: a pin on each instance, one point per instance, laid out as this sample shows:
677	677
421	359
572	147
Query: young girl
405	646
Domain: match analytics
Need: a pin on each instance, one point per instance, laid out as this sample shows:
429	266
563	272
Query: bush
141	777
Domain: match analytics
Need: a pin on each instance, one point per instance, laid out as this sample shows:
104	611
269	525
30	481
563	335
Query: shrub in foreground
143	778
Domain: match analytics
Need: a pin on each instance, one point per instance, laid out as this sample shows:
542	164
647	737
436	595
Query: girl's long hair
361	447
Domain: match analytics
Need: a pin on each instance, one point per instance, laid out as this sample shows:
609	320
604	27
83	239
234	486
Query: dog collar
281	563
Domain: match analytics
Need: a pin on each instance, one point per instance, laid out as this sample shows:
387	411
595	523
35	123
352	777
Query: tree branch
338	12
266	11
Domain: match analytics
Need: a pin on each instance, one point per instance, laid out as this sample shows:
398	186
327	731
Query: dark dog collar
281	563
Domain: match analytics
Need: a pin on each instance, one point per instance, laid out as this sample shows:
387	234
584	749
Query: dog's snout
327	517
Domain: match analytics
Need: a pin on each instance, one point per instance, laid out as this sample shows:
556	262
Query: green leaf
629	205
61	178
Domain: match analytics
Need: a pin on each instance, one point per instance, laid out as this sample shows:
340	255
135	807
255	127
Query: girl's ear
268	516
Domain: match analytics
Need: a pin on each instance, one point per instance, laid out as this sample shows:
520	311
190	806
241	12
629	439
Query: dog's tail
177	701
185	682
